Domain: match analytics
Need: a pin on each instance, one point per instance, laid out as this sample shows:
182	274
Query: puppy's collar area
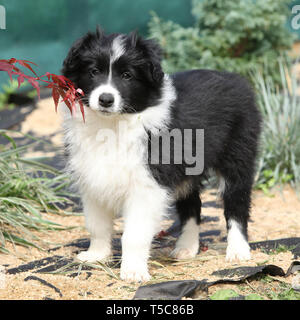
159	116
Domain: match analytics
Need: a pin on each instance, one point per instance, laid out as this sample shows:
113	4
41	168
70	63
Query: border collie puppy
133	113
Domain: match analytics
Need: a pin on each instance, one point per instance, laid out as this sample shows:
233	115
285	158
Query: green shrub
228	35
27	189
279	160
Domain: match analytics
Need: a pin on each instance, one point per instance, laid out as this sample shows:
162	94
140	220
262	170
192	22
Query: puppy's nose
106	100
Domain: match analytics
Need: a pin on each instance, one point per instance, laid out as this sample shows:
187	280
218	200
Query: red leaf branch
61	86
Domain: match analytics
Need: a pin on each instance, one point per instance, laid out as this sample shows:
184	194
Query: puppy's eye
126	75
94	72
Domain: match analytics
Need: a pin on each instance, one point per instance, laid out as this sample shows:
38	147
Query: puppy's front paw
134	273
92	256
183	253
238	251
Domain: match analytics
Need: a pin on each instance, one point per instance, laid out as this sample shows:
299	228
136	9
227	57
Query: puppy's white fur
237	247
117	49
110	185
187	245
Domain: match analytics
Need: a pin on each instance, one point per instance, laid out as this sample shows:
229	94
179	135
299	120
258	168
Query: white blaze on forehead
117	48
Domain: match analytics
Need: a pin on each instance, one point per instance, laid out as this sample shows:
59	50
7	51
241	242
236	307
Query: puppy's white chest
107	161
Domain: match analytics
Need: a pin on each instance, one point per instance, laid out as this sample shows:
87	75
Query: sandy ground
272	218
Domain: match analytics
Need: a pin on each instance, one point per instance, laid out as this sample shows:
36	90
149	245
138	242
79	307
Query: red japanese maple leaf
61	86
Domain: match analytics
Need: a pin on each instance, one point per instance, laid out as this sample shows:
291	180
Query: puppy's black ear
71	60
155	54
156	71
152	53
133	38
99	32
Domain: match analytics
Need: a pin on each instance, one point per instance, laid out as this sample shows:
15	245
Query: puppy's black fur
223	104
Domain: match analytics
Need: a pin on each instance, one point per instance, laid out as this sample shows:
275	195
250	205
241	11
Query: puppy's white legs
237	247
187	245
99	222
143	214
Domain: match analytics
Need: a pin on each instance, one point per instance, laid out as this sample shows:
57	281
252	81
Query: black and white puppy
132	108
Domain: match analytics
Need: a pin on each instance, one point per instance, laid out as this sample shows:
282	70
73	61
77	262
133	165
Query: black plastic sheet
176	290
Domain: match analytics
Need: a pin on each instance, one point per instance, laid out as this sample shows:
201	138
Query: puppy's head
118	73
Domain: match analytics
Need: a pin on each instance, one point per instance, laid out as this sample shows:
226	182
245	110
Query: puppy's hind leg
236	209
188	209
99	222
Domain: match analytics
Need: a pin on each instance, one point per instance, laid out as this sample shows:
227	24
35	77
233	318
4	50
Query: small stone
296	282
